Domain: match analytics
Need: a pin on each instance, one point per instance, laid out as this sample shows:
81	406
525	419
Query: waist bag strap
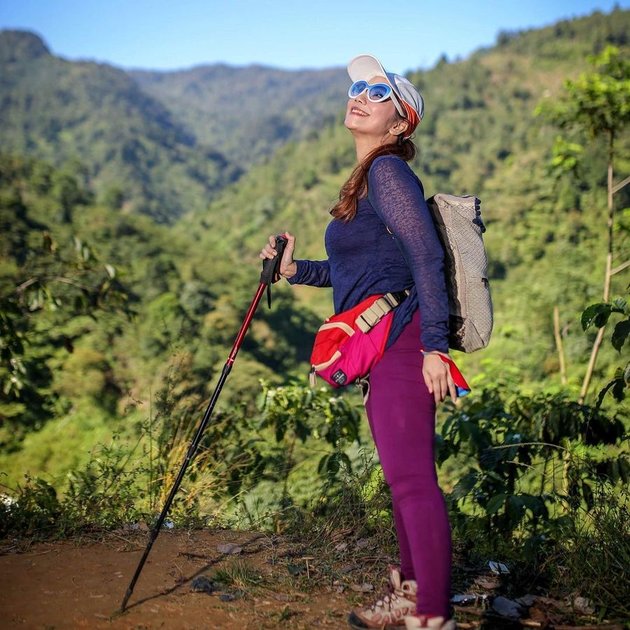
373	314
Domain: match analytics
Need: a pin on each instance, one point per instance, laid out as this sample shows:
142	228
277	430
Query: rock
362	588
230	597
230	548
526	600
348	568
583	605
203	584
506	607
488	582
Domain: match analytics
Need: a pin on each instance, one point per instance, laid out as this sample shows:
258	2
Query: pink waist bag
347	346
342	352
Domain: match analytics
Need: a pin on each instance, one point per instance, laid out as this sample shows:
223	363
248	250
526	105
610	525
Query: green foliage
565	157
598	315
296	412
35	511
66	332
43	283
238	574
598	102
104	493
527	456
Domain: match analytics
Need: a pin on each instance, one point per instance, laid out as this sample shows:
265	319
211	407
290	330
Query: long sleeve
315	273
398	198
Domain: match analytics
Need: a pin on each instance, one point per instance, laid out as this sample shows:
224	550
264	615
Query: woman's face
373	119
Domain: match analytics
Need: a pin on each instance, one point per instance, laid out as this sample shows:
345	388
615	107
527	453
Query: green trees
529	461
57	110
44	282
596	105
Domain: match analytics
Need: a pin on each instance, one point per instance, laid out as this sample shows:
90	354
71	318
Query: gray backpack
460	228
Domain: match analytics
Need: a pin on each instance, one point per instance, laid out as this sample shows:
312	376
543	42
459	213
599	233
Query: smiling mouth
358	112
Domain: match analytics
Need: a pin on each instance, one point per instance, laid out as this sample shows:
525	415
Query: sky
172	34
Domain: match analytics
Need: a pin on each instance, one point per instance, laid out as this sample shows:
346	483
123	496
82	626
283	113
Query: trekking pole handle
271	266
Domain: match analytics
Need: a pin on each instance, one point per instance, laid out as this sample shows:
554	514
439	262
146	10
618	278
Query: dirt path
72	585
268	582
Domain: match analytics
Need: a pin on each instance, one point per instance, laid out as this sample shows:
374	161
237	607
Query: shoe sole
356	624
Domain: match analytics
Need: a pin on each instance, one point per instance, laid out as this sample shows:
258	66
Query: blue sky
160	34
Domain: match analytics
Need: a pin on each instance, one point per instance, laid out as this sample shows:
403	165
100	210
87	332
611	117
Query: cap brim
365	67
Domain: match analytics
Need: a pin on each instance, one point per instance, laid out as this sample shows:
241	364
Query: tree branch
620	268
620	185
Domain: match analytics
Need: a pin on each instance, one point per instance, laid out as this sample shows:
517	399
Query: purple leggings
401	413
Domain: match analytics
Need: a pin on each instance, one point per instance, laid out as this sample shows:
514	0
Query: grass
595	555
240	575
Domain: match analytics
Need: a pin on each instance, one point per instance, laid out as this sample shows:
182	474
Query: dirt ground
79	584
270	583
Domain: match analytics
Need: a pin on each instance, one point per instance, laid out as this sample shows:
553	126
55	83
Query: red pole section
248	318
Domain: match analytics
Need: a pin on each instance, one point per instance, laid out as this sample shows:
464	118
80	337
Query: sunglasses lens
379	92
357	88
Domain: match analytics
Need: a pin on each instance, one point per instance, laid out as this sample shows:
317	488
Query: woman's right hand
288	267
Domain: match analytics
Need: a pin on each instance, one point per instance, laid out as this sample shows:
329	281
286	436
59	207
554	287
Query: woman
382	239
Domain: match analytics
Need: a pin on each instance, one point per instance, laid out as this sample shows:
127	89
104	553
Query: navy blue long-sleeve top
365	258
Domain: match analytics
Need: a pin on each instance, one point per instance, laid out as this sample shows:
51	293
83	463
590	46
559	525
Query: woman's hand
438	378
288	267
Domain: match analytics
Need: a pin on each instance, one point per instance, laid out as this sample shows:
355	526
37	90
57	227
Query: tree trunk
607	276
558	337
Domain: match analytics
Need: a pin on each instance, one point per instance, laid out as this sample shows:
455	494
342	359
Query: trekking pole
269	275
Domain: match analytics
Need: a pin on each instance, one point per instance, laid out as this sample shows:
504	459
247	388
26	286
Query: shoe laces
387	602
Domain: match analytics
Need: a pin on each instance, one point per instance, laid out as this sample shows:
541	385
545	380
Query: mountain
248	112
128	142
163	143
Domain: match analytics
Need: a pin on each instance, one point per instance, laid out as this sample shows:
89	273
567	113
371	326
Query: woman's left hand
438	378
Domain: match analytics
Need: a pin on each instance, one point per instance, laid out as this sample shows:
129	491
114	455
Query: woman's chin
353	125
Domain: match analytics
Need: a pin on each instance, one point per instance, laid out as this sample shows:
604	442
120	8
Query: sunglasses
377	92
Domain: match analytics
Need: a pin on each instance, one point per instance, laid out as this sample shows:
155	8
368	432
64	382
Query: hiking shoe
406	589
414	622
390	611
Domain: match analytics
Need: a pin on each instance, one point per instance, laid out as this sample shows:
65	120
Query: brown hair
356	185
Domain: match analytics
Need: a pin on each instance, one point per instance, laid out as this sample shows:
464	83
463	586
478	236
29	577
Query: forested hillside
247	113
128	148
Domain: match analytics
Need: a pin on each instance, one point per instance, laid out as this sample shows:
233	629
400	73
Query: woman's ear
400	126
